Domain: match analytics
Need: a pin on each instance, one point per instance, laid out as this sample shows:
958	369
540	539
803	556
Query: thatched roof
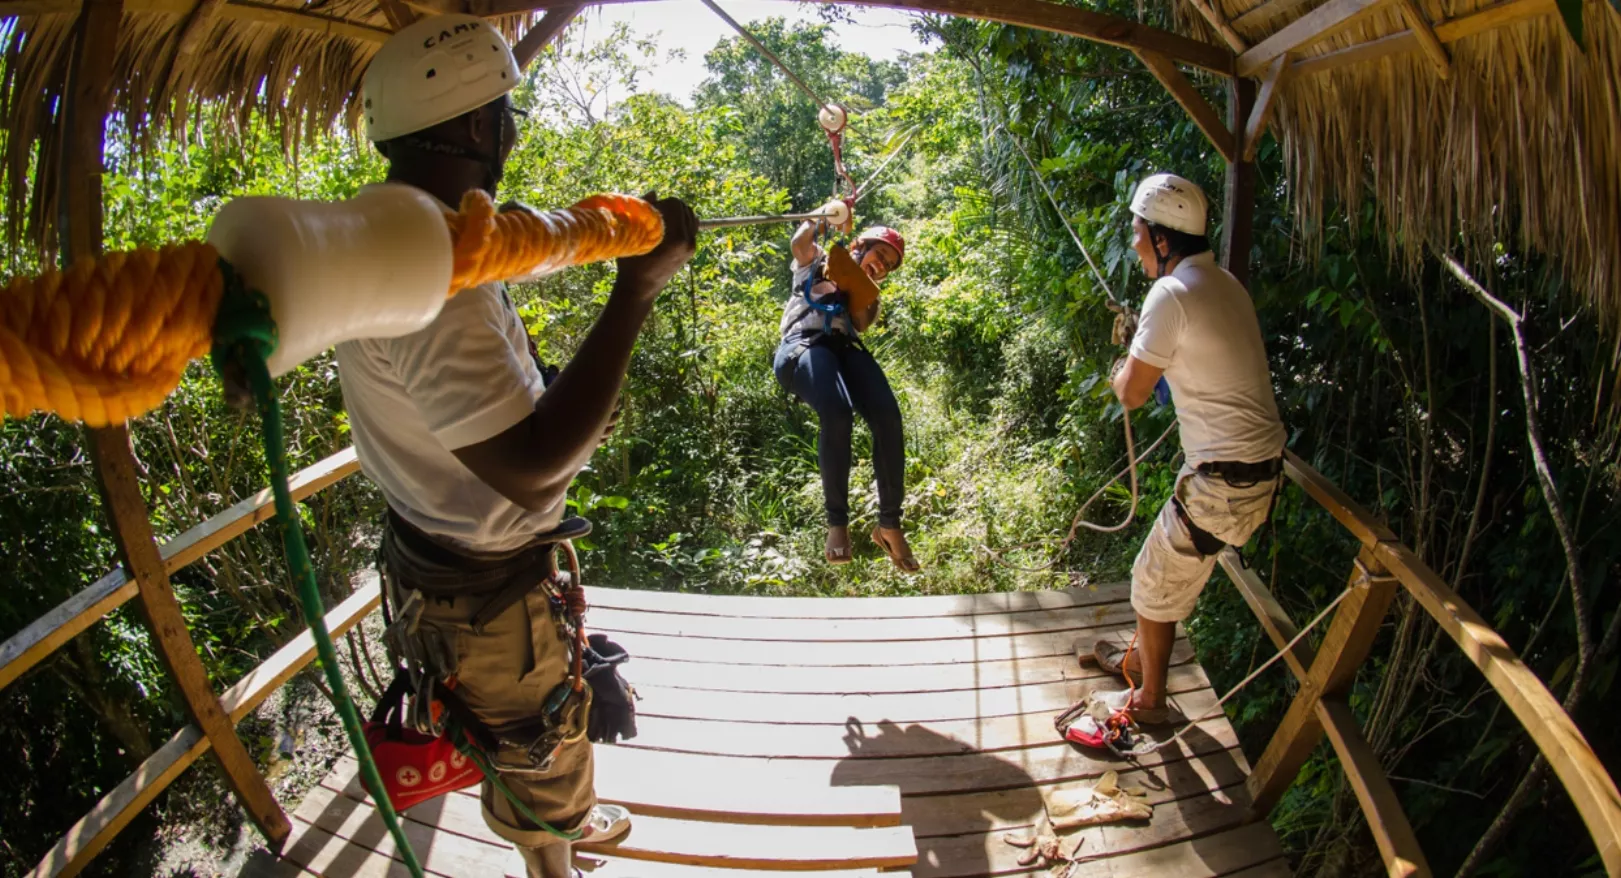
1521	143
1522	138
299	63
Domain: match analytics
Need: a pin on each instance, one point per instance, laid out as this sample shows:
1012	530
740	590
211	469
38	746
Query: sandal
605	823
838	546
902	558
1109	655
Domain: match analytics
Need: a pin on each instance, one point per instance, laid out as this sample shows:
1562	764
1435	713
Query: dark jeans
837	378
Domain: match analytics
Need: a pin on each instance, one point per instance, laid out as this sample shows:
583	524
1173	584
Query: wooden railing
1382	565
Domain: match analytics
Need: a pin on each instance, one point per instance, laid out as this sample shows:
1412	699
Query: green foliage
994	337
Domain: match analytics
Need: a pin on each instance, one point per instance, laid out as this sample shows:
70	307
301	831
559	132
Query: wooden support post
89	100
1261	115
1426	37
398	14
1238	208
1305	30
542	33
1344	648
1212	16
1198	109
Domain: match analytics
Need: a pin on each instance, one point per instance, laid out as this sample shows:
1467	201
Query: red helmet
888	236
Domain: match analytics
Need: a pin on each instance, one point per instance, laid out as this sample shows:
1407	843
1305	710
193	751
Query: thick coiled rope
491	245
109	339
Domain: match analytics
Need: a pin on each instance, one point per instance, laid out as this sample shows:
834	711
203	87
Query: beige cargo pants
505	673
1169	572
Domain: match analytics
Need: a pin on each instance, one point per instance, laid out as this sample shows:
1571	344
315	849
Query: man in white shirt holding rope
1199	331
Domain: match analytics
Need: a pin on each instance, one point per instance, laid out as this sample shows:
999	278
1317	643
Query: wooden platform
844	737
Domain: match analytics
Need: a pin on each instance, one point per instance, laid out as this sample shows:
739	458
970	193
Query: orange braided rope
493	246
109	339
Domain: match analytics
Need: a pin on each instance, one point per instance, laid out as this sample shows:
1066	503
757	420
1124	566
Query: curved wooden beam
1070	21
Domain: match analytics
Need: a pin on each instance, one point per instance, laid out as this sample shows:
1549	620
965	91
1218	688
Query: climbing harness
1102	720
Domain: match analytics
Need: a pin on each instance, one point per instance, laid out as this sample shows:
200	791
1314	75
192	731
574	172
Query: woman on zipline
822	361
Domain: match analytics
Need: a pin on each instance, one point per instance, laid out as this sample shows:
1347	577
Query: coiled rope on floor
109	338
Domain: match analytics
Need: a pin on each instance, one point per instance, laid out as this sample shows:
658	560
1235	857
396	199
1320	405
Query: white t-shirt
467	377
1199	325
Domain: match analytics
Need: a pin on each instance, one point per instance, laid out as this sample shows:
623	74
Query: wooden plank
1561	742
691	787
1359	521
1278	868
1221	852
595	865
132	532
1198	109
1055	18
1232	38
865	607
1265	12
688	842
244	514
756	630
1304	31
398	14
46	634
1002	810
1265	103
1344	648
1274	619
874	680
353	841
1480	21
900	707
1426	37
542	33
871	736
955	856
1388	822
788	653
93	831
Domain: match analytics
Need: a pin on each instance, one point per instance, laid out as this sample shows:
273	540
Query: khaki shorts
505	673
1169	572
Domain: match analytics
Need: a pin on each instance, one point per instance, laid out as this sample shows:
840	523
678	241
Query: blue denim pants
838	378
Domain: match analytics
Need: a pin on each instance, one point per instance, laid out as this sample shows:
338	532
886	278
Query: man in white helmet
475	460
1198	330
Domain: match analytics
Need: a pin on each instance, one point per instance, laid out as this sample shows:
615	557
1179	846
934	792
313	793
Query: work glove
1125	327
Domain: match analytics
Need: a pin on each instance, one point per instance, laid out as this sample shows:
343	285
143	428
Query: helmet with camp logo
1171	201
432	70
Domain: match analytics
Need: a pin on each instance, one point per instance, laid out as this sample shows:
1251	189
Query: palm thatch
296	63
1520	144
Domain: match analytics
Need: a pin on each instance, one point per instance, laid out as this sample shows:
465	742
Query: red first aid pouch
414	766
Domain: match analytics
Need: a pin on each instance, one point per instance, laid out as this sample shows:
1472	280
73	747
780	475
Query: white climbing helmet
1170	201
435	69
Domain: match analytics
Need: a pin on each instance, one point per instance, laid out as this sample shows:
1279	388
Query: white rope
1217	711
1036	172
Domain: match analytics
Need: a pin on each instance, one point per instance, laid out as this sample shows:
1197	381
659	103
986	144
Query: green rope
464	743
245	336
